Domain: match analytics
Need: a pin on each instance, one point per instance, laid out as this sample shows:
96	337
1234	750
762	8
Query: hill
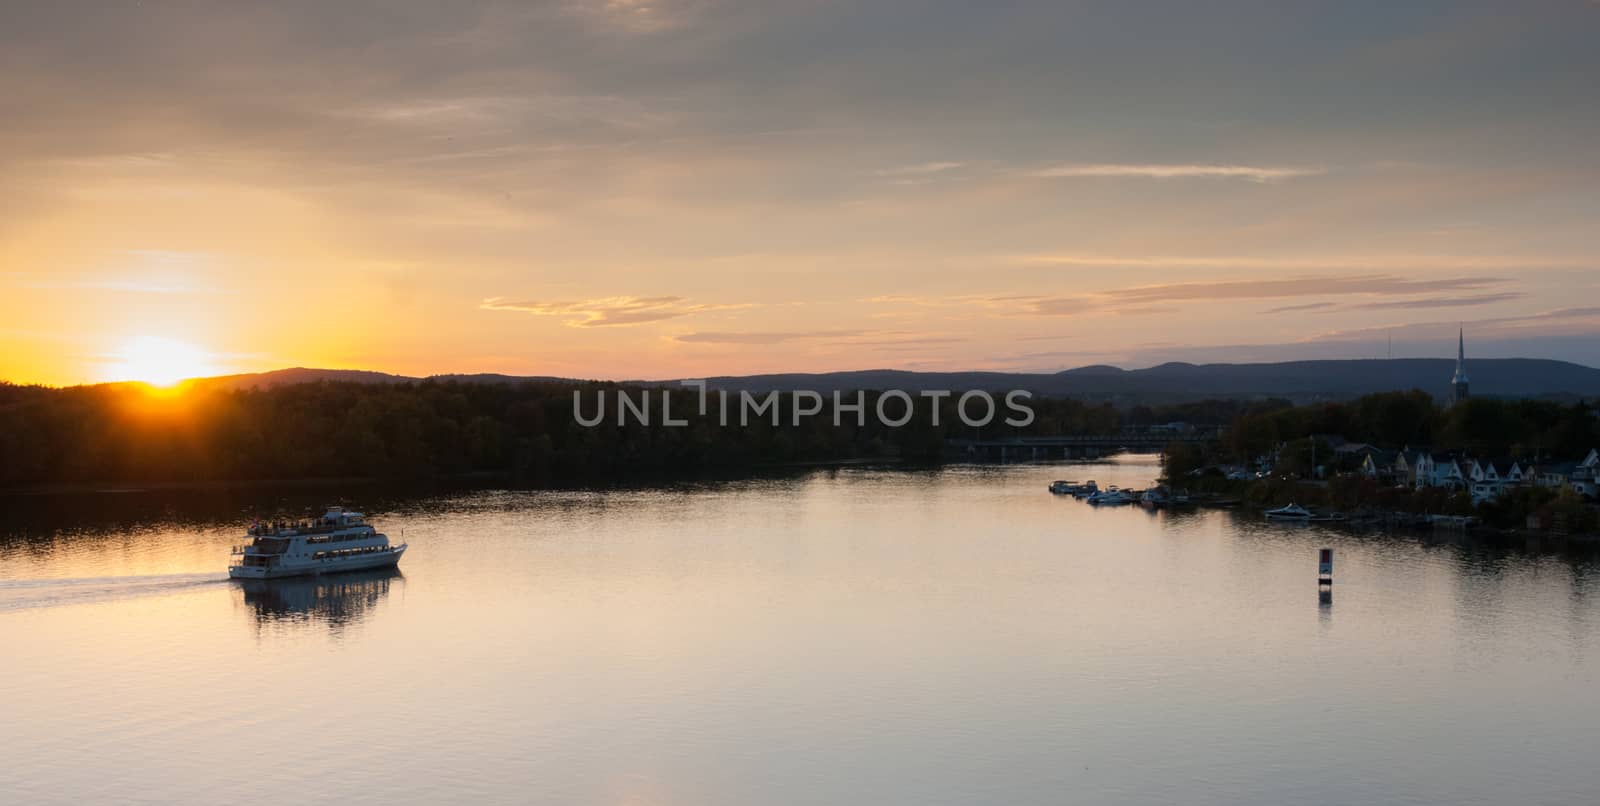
1176	382
1301	381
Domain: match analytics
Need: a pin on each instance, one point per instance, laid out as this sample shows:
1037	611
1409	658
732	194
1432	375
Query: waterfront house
1422	469
1582	477
1585	478
1491	478
1383	465
1441	470
1554	475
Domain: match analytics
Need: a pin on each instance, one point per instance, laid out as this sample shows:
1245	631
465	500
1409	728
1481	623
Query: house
1516	474
1490	478
1440	470
1582	477
1405	466
1585	478
1554	475
1382	465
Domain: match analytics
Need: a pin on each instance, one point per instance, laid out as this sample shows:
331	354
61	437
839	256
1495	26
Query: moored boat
1110	496
1159	497
338	541
1292	512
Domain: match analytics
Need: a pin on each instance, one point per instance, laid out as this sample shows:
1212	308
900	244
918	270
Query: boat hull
358	562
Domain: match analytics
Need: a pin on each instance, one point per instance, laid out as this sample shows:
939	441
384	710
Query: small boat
1292	512
1064	487
338	541
1158	497
1086	489
1110	496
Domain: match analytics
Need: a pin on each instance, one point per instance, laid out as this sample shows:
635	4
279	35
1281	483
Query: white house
1440	470
1491	479
1583	477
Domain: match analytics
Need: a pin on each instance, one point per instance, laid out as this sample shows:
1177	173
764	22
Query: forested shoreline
526	431
130	433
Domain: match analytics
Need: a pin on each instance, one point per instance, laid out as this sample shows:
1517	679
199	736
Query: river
856	635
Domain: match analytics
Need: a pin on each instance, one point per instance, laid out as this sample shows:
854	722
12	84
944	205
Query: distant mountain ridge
1301	381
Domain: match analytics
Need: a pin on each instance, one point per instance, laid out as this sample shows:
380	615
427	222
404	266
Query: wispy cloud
1440	302
1147	299
922	169
1252	173
770	337
1401	304
643	16
858	338
1557	321
1361	263
1306	308
1376	284
607	311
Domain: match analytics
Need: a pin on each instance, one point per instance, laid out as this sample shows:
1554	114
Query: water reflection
338	601
903	636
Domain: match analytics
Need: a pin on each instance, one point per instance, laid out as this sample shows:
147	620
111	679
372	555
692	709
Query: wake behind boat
337	541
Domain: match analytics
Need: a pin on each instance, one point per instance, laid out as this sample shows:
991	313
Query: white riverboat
338	541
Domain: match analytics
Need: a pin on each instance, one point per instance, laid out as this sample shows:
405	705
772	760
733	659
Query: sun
159	361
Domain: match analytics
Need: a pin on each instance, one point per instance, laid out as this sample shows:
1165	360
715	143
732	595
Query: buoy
1325	576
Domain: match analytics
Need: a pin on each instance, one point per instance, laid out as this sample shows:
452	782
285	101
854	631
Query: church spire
1458	383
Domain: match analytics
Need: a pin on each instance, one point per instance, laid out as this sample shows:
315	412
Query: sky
674	188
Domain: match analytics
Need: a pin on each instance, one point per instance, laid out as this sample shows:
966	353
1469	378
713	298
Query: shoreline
506	478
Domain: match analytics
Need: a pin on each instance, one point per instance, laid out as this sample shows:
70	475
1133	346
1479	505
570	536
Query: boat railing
301	528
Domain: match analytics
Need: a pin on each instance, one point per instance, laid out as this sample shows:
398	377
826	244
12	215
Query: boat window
271	545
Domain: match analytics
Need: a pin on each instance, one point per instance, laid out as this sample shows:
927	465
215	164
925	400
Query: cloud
1310	306
1145	300
772	337
1564	333
857	338
1556	322
1403	304
607	311
1138	299
1378	284
1362	263
1440	302
922	169
644	16
1253	173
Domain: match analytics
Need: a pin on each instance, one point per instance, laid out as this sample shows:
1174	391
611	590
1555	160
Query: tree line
1486	427
428	429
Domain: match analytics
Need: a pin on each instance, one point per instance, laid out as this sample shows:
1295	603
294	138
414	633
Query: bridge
1076	446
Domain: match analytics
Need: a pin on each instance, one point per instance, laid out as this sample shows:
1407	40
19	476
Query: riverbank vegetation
131	433
1273	453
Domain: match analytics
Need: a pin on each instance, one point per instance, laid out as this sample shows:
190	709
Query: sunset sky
649	189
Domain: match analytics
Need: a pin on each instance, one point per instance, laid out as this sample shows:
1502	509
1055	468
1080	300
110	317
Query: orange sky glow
611	190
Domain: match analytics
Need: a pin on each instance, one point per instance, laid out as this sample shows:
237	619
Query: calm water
853	636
